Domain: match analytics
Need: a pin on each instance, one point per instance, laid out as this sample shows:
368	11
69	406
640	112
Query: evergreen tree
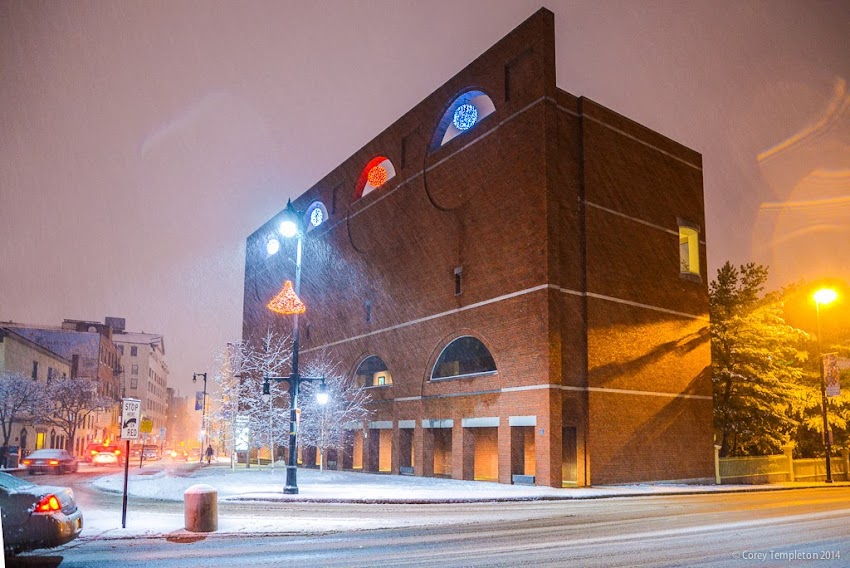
755	370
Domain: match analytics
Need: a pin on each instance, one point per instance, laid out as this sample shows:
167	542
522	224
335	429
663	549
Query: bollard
201	508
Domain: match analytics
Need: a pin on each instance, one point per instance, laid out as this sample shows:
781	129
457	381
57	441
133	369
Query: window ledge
692	276
468	376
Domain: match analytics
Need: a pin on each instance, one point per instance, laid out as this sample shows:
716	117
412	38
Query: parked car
104	458
50	461
37	516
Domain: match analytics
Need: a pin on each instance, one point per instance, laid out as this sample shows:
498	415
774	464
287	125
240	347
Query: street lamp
824	296
204	433
287	302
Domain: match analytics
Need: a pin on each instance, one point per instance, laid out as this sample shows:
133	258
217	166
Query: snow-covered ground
262	484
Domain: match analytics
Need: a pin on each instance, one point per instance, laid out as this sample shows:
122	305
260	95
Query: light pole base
291	490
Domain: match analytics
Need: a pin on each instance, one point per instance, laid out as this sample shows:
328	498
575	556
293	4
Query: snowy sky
141	142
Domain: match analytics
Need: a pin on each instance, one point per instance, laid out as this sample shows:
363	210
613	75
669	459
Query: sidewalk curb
531	498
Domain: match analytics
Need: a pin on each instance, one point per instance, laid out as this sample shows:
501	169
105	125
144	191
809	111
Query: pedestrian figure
209	453
4	450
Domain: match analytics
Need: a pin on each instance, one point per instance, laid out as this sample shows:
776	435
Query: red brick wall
519	203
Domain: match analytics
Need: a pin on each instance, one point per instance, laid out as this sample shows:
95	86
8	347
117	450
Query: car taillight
48	504
27	462
117	452
94	452
53	462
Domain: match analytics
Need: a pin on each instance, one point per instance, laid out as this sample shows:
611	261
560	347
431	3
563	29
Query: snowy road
803	527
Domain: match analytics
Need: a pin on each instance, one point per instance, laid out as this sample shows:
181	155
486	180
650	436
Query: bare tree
251	421
20	398
324	426
69	402
247	418
225	395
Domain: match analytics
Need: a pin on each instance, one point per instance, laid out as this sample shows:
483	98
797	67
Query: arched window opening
315	215
463	114
464	357
373	372
377	172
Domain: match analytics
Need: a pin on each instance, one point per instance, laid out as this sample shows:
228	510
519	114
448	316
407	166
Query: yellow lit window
688	250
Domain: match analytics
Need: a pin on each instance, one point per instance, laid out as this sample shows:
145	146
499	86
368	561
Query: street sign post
131	413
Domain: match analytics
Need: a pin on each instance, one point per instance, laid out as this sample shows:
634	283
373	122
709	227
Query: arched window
373	372
463	114
315	215
464	357
377	172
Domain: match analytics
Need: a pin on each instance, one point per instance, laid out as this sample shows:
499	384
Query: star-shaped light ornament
286	302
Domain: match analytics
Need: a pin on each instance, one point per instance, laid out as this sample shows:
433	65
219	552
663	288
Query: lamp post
294	380
287	302
203	413
824	296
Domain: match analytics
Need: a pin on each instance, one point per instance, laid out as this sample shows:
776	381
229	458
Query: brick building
145	373
518	276
23	357
89	348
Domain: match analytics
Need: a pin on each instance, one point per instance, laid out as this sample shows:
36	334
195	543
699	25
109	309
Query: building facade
145	374
518	275
21	356
89	348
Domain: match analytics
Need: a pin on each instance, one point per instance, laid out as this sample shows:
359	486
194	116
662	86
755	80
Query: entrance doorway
486	447
568	466
442	451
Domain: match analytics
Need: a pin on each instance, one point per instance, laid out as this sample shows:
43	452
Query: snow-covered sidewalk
168	482
165	481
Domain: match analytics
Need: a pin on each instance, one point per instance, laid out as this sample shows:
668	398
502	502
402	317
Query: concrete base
201	508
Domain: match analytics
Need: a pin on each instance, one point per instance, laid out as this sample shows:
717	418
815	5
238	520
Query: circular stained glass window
317	216
377	176
465	117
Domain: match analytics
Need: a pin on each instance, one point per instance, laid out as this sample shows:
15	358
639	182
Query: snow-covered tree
324	426
239	409
20	397
69	401
755	363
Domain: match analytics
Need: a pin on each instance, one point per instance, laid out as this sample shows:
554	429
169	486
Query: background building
145	373
178	424
92	354
29	359
518	275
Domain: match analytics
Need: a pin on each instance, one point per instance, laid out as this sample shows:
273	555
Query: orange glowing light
377	176
825	296
286	302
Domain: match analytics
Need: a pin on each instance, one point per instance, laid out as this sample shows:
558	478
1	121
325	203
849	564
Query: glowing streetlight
824	296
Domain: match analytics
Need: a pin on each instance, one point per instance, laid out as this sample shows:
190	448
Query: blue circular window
465	116
315	215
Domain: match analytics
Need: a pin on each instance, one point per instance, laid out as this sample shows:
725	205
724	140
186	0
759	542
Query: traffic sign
146	426
131	411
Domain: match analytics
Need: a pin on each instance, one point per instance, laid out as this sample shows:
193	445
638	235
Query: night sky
142	142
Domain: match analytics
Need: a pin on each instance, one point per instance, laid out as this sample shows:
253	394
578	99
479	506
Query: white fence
779	468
